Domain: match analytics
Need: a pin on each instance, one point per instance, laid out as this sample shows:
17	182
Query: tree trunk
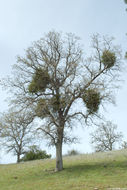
59	159
18	158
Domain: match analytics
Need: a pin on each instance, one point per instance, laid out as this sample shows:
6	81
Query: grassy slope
83	172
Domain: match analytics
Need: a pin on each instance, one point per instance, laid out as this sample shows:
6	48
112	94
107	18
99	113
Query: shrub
34	153
72	152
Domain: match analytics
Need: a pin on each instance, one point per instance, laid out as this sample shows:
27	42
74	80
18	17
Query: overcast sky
25	21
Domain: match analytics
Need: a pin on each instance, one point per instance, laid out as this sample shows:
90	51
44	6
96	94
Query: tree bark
59	159
18	158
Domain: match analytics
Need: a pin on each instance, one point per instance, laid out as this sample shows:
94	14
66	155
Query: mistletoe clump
39	81
41	108
108	59
92	100
57	103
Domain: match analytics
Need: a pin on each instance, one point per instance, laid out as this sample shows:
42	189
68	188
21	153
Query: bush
72	152
34	153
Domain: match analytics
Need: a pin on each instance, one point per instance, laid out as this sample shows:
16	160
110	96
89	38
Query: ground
82	172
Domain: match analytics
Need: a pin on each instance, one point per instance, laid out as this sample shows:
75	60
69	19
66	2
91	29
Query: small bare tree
55	79
105	137
123	145
16	132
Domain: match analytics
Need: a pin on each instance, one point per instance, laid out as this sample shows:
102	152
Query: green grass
82	172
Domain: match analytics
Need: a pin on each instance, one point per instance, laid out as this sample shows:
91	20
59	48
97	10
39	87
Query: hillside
82	172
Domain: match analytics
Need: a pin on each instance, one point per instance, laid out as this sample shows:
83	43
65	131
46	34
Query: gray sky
24	21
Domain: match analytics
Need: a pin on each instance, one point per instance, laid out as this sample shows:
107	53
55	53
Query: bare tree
123	145
16	132
105	137
57	82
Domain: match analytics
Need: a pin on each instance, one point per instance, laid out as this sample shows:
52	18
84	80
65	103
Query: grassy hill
82	172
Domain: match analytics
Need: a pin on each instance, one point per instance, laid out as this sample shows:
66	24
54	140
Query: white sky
24	21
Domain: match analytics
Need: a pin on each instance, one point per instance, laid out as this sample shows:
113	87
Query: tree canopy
55	80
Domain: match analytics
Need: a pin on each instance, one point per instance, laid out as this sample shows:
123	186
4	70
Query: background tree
61	87
124	145
105	137
35	153
16	132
